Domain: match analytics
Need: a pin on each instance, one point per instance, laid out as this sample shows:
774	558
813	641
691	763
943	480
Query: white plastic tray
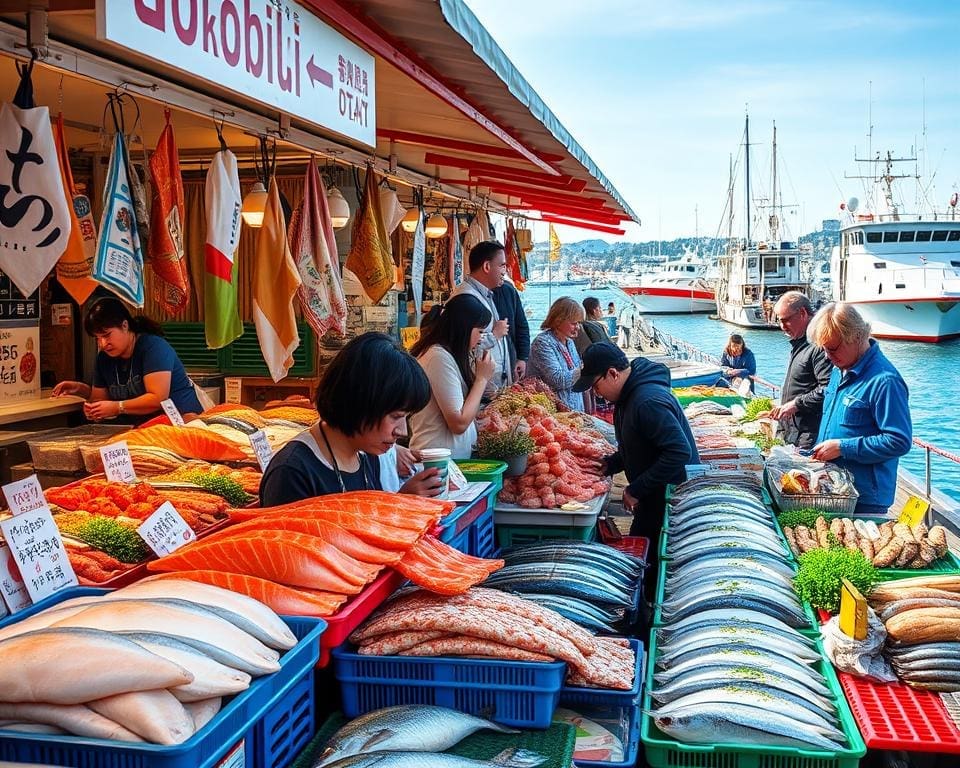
511	514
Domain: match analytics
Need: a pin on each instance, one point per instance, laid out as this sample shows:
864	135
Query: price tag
173	413
261	447
117	464
457	478
12	589
853	611
913	511
38	553
165	531
24	495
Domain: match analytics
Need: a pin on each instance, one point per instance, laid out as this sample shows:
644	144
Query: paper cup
439	458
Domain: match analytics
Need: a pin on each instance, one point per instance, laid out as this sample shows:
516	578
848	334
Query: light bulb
436	226
410	220
253	205
339	208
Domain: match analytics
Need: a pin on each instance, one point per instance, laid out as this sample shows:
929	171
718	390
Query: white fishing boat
680	286
755	273
901	271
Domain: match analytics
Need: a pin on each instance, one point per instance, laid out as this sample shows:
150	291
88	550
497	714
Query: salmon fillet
188	442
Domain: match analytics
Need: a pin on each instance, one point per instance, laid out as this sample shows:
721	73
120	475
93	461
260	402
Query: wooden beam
574	200
599	218
461	145
573	185
432	158
582	224
370	36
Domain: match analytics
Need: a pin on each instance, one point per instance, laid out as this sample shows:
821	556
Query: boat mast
774	219
746	133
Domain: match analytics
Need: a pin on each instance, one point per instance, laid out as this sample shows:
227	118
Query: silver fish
739	675
509	758
722	616
737	638
415	728
751	658
734	723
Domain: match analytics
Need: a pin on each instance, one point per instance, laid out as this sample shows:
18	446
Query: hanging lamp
436	226
255	201
339	208
411	218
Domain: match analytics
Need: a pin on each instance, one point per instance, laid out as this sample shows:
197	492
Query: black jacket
654	436
510	308
808	374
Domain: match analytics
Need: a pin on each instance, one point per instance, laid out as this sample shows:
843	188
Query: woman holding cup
447	351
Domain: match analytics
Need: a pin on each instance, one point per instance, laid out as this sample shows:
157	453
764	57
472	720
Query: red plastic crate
356	610
638	546
896	716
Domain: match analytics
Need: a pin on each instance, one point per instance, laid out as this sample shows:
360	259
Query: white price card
12	589
457	478
173	413
165	531
261	447
24	495
38	553
117	464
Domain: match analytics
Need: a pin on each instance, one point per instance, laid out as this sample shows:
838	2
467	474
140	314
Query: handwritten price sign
165	531
24	495
173	413
117	464
261	447
38	553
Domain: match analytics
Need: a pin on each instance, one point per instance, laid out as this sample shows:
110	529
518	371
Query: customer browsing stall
446	348
553	354
866	425
136	369
654	440
363	398
738	361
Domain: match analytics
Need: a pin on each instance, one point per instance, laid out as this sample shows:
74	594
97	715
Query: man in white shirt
488	268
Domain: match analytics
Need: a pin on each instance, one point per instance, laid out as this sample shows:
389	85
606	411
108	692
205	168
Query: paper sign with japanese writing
173	413
19	360
261	447
12	590
24	495
165	531
913	511
117	464
38	553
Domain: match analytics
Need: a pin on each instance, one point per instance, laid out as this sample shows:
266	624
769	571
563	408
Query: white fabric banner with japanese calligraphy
34	217
416	270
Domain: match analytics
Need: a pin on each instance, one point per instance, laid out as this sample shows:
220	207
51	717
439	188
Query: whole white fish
752	659
728	723
509	758
769	679
69	718
721	616
404	728
155	715
736	638
770	562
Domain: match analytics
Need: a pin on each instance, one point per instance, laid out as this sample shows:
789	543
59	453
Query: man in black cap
654	439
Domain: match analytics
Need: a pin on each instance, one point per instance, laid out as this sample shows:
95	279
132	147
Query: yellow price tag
409	336
913	511
853	611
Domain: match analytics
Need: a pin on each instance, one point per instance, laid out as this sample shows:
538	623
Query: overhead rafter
368	34
460	145
573	185
582	224
579	202
492	169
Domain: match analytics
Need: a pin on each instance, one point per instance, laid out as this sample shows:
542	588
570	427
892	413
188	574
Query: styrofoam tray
511	514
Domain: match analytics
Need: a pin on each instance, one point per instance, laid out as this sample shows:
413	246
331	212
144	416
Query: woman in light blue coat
553	354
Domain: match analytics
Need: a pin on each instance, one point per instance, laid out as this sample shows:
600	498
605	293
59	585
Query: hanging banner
119	262
370	257
456	252
167	255
273	51
222	203
416	270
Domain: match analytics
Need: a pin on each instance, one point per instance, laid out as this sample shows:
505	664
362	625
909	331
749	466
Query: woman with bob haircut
363	398
866	424
553	354
136	369
738	361
447	349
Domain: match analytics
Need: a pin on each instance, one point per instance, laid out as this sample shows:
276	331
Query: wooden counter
44	408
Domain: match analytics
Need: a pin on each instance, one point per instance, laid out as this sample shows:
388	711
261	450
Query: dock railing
930	449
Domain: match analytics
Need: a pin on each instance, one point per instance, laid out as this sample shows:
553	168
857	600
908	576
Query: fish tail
518	758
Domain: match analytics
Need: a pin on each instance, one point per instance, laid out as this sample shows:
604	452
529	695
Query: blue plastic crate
465	515
460	541
269	718
521	694
572	696
630	749
483	535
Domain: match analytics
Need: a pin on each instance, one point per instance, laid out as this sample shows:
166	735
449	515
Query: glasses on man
597	381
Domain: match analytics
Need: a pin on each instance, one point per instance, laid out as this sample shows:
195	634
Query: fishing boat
901	271
755	273
680	286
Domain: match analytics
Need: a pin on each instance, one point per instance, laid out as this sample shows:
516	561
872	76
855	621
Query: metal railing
930	449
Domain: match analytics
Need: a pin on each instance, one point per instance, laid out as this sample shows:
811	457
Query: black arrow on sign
319	75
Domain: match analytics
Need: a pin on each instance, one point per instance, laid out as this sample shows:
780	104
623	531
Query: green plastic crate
492	472
509	535
664	751
722	399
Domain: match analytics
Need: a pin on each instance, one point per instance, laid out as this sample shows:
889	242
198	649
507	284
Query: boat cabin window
879	265
923	236
955	263
891	237
751	263
791	261
940	235
874	237
907	237
858	237
954	235
690	269
900	285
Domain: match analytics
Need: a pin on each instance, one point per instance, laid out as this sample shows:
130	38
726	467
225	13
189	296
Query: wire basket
825	502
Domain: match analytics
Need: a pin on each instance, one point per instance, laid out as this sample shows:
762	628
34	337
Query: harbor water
928	369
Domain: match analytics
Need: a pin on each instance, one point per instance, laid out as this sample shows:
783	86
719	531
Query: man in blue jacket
866	424
654	440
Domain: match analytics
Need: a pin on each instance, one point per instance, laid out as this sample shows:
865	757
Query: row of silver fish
731	665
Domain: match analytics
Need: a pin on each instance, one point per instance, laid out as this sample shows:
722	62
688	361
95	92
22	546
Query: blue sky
656	94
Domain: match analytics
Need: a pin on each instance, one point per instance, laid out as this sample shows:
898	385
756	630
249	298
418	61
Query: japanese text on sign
165	531
24	495
11	585
117	464
38	553
261	447
173	413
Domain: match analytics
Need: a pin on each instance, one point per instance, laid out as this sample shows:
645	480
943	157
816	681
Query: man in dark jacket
654	439
808	373
510	307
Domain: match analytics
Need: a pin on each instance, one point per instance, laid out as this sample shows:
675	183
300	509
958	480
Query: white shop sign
19	361
274	51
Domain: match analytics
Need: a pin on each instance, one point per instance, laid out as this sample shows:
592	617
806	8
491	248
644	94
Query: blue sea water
930	371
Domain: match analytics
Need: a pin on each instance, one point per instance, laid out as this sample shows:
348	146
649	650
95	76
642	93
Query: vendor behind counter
136	369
